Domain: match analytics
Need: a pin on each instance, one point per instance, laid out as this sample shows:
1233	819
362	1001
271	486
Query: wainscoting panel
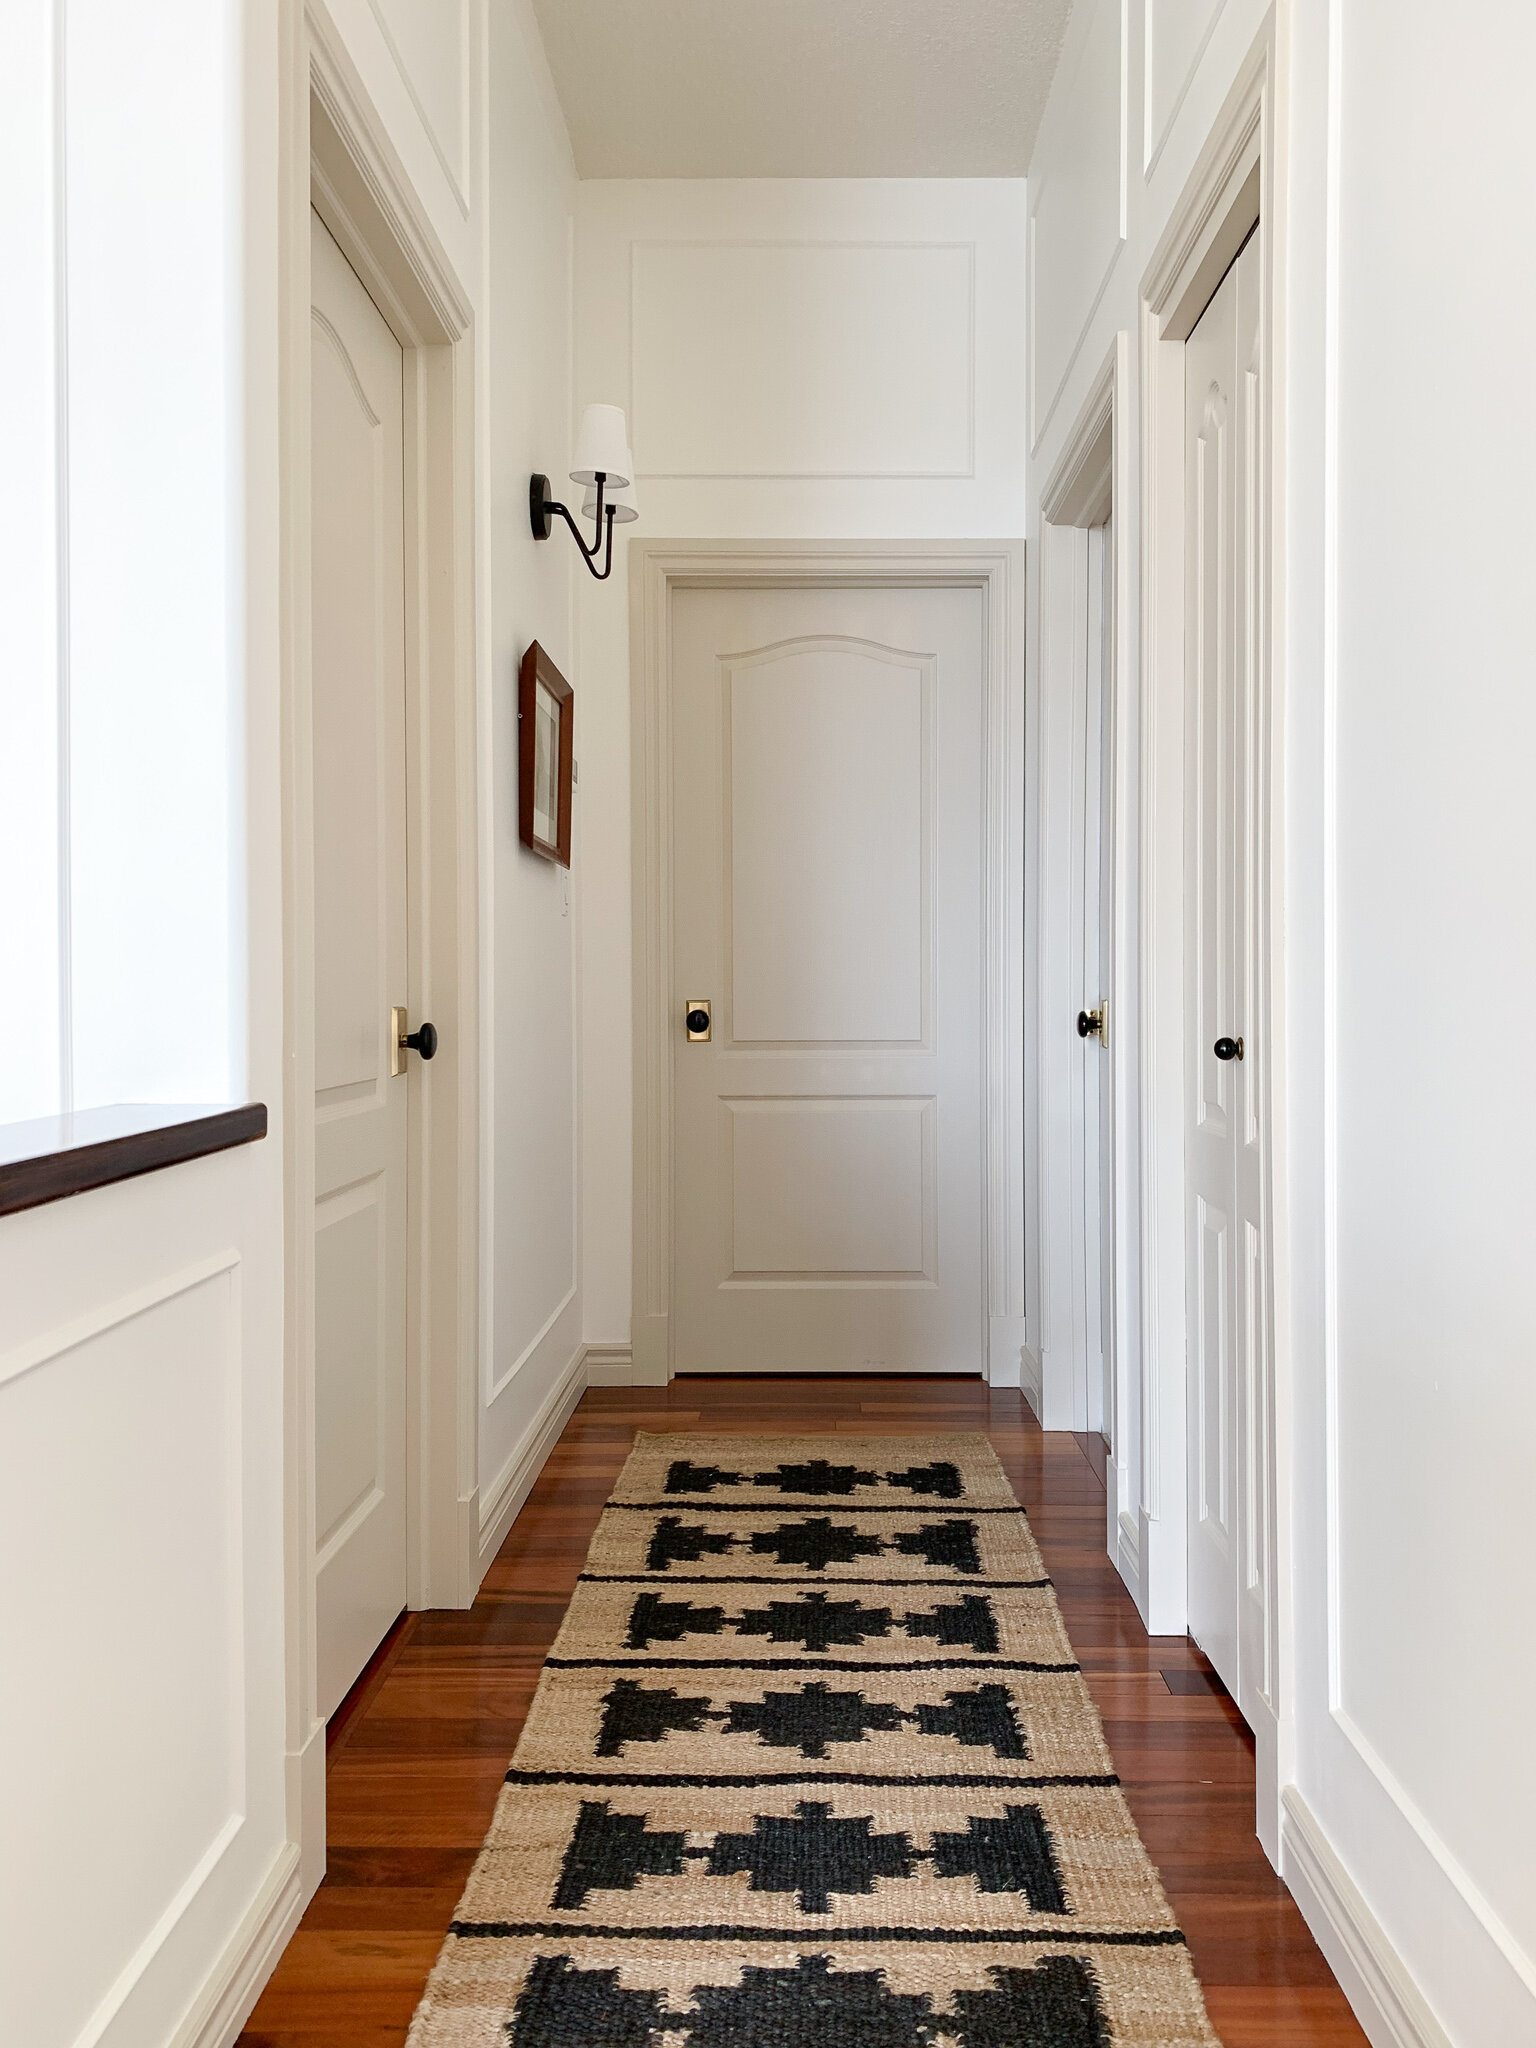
808	359
120	1527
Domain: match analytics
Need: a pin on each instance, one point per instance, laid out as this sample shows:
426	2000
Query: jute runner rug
811	1766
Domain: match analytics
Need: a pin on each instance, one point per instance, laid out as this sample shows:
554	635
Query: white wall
142	1721
1406	1314
799	359
156	1763
1414	1396
532	1331
117	835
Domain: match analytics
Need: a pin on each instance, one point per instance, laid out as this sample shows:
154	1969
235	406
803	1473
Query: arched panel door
828	907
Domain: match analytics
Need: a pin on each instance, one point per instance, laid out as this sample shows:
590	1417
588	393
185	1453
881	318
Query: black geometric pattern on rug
983	1717
814	1544
815	1621
818	1475
1053	2004
811	1854
814	1854
972	1623
611	1852
563	2007
940	1479
685	1477
734	1830
810	2004
677	1542
655	1620
946	1543
809	1719
636	1713
1014	1854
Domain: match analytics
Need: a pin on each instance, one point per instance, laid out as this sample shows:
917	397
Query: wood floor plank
417	1763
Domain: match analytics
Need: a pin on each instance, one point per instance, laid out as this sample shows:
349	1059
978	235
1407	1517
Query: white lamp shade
621	497
602	444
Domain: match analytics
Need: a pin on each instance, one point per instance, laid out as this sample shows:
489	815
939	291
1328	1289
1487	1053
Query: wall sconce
605	465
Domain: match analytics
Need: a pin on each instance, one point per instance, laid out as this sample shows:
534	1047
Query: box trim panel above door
660	568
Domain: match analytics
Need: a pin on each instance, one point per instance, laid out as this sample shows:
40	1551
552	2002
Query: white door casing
1226	1220
1234	191
358	751
829	898
1097	1150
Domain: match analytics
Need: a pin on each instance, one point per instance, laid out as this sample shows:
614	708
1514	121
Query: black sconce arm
542	508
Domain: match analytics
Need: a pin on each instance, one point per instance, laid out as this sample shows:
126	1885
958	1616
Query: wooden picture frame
546	734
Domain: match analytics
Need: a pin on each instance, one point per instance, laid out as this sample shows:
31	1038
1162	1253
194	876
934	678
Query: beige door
827	847
1227	1313
357	421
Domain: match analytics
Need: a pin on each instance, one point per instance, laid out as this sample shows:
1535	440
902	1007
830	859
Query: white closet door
1226	1222
357	422
828	903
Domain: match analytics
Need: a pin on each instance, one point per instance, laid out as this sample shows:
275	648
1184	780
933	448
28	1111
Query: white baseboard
1127	1552
1372	1975
514	1482
305	1791
236	1981
1030	1378
1053	1396
610	1365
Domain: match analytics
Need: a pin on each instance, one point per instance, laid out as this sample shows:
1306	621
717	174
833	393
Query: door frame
1236	183
1092	481
332	154
659	569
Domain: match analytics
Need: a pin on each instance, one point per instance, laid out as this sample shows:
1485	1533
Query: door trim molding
333	154
658	569
1233	186
1093	481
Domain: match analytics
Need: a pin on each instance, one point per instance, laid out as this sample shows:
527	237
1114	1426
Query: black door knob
423	1041
697	1020
1228	1048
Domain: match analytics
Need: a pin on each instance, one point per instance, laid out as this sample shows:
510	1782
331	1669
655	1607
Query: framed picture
546	710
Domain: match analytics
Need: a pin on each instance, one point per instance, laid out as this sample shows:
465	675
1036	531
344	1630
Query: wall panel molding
497	1383
898	341
1372	1974
1061	195
452	152
1160	110
235	1982
67	1337
502	1499
142	1396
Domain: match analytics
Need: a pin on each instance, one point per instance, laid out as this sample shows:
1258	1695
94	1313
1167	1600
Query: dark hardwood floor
420	1746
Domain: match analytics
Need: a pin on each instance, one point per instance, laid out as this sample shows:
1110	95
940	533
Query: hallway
420	1746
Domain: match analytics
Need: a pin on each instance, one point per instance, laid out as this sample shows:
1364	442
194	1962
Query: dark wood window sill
63	1155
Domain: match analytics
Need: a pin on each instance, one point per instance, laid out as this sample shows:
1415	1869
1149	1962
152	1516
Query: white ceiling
802	88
